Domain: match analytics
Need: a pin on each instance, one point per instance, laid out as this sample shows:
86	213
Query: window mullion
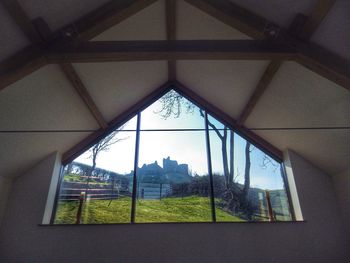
212	200
286	188
136	162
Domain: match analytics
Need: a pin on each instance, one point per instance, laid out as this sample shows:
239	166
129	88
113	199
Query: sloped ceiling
59	13
12	38
193	24
148	24
227	84
331	33
280	12
297	97
44	100
116	86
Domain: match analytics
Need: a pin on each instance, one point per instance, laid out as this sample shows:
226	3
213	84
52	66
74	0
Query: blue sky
183	146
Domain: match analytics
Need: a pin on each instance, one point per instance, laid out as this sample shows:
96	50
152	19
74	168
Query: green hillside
187	209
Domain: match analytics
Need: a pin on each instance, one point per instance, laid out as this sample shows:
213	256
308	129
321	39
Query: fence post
80	208
269	206
160	191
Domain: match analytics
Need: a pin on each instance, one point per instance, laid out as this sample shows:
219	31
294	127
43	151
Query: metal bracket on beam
271	31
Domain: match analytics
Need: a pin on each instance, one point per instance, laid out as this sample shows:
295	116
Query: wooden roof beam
73	77
22	20
71	74
30	59
263	83
20	65
103	18
305	30
170	13
314	57
315	18
79	86
103	51
301	26
236	16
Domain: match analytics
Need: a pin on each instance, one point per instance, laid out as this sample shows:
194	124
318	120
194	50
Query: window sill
177	223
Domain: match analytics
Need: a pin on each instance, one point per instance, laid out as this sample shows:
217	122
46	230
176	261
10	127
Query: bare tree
172	105
268	161
227	156
234	198
246	172
101	146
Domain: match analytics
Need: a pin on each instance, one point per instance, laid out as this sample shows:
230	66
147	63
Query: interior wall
319	239
5	187
342	188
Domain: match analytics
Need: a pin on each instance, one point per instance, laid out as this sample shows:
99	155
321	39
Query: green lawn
187	209
73	178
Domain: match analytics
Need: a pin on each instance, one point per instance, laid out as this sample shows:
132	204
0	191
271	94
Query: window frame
246	134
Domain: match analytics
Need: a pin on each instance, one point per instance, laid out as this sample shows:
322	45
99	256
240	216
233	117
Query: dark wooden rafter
314	57
268	75
170	14
22	20
38	35
235	16
303	27
30	58
311	56
102	51
79	86
105	17
142	104
73	77
97	21
20	65
87	27
324	63
263	83
315	18
42	28
318	59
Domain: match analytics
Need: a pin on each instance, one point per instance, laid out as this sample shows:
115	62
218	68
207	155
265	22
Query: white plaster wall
342	187
5	187
319	239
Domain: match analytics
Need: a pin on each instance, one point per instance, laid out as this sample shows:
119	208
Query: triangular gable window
172	162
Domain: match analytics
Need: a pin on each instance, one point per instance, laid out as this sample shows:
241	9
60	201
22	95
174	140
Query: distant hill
178	178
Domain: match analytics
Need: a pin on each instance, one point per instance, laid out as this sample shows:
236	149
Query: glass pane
96	186
130	125
248	184
172	176
173	183
267	194
172	111
214	124
227	190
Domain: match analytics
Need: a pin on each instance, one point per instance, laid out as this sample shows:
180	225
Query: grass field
187	209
